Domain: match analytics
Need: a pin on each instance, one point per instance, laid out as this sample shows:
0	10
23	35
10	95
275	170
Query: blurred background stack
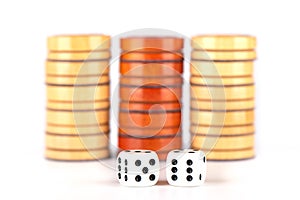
222	96
77	79
150	94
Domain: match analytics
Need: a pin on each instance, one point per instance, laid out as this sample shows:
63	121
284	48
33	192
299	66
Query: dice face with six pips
186	167
138	168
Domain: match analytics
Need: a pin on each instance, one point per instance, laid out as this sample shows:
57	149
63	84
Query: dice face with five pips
186	167
138	168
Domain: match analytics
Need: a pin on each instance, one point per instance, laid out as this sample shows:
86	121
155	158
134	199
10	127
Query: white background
24	28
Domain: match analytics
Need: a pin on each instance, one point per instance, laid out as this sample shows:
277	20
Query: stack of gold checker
77	79
222	96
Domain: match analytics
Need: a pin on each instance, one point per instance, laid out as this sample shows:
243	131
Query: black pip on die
137	168
186	167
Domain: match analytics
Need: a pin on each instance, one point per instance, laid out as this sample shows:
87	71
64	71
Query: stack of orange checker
77	79
222	96
150	94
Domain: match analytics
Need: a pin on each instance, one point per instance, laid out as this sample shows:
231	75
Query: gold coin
81	56
218	81
224	55
221	69
224	42
78	42
222	118
74	142
78	93
72	80
231	155
236	92
77	130
241	104
84	105
77	68
222	143
222	130
78	118
80	155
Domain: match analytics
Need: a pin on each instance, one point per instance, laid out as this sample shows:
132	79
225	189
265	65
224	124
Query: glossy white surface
24	174
136	167
186	167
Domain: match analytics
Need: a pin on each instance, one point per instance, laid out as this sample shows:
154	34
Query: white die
137	168
186	167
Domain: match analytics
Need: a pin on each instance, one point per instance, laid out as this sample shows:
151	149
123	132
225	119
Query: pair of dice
141	167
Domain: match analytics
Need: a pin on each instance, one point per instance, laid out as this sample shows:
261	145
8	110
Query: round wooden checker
151	43
78	118
222	142
241	154
222	118
149	132
83	105
78	93
148	81
77	68
222	130
155	106
80	155
224	55
74	142
218	81
221	69
224	42
236	92
151	69
149	120
151	94
72	80
240	104
151	56
78	42
155	144
77	130
80	56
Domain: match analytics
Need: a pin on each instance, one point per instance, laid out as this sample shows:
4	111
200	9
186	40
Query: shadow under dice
186	167
137	168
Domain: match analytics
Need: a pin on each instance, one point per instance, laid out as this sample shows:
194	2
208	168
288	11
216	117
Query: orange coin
155	144
143	119
148	81
155	106
151	69
151	43
151	56
150	132
151	94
